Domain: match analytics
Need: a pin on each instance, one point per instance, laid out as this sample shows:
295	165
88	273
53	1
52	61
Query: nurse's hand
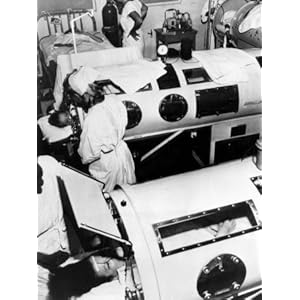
78	278
135	35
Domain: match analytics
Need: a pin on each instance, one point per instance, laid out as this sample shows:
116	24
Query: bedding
55	45
67	63
51	133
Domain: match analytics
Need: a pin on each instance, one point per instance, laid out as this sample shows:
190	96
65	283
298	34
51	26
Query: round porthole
221	277
173	108
134	114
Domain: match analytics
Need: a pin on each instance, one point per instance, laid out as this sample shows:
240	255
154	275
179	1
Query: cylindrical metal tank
167	222
187	98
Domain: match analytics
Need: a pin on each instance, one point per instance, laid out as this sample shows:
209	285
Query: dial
134	114
173	108
162	50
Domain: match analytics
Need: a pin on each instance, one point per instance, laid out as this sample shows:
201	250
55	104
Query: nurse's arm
144	10
138	21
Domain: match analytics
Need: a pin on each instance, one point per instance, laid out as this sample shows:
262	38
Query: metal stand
161	144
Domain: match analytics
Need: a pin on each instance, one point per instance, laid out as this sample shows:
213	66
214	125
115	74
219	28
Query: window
147	87
168	80
188	232
58	5
109	87
196	75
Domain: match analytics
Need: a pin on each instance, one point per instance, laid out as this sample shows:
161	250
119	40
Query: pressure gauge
162	50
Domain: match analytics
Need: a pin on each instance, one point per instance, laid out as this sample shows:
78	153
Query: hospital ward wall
155	19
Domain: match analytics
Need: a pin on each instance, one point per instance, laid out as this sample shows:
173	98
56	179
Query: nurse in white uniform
133	12
101	141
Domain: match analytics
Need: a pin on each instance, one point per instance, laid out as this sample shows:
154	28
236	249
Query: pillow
52	133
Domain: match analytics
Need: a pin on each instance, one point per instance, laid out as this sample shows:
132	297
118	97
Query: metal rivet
235	285
206	295
235	259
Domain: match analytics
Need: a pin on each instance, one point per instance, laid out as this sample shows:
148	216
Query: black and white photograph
149	149
131	150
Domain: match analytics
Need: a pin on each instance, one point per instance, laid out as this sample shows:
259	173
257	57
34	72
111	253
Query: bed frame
59	21
53	22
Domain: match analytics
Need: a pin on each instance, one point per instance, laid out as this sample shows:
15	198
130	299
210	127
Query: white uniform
52	236
127	24
102	145
52	233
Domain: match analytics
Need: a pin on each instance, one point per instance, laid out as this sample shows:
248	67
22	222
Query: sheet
227	65
232	66
51	133
124	65
55	45
134	76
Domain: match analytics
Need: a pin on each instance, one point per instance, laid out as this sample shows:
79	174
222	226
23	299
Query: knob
193	134
206	295
135	154
235	259
235	285
123	203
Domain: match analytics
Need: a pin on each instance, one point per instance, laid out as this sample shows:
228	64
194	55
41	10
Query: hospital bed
55	37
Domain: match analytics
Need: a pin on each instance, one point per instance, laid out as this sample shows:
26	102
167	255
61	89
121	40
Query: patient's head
60	119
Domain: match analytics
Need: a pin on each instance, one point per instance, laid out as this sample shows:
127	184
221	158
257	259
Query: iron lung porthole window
173	108
134	114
